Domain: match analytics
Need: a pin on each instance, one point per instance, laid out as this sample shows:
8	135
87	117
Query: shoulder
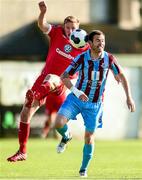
111	57
55	31
83	56
84	53
56	27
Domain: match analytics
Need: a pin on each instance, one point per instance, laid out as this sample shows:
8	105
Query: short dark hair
93	33
71	19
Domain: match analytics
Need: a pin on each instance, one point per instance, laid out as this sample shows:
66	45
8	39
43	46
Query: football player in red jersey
60	55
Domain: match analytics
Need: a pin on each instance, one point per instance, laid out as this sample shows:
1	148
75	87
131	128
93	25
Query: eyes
100	40
69	28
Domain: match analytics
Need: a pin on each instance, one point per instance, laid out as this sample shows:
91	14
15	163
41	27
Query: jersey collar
100	58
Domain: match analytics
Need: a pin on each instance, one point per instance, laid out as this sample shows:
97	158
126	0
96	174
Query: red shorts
54	102
59	92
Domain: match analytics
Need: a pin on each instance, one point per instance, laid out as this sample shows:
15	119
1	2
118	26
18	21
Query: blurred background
23	50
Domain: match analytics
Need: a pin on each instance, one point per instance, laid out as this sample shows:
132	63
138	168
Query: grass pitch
112	160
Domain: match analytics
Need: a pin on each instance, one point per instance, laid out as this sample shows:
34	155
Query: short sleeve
54	30
75	65
113	64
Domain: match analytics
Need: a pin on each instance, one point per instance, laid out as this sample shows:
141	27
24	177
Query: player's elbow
40	25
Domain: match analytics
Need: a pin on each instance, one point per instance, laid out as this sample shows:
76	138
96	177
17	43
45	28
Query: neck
95	55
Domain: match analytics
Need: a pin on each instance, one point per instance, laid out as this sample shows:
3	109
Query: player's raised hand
42	7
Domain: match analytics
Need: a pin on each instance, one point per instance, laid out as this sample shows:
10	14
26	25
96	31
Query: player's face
69	27
98	43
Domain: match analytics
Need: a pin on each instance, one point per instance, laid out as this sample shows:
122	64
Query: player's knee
58	124
60	121
53	80
48	77
89	138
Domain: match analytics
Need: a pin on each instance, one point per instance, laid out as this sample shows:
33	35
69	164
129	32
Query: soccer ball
78	38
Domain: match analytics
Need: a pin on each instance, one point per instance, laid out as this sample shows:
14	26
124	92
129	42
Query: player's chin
100	49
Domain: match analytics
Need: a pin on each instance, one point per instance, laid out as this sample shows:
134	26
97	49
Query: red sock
23	134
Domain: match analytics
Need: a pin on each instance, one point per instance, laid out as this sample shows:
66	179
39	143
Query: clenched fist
42	7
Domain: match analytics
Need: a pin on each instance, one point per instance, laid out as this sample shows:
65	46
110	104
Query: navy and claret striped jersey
93	73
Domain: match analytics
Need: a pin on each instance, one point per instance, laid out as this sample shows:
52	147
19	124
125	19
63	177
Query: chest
62	45
96	70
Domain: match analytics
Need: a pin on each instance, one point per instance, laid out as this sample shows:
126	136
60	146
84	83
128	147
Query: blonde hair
71	19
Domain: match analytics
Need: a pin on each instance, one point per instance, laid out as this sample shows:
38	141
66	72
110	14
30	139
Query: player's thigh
38	82
54	102
70	108
91	117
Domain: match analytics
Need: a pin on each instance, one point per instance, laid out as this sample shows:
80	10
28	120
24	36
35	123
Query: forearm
130	102
66	80
42	23
126	86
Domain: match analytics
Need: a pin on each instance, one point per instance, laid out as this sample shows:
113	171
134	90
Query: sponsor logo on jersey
67	48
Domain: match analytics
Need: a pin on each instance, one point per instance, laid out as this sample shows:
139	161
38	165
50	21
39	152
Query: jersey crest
67	48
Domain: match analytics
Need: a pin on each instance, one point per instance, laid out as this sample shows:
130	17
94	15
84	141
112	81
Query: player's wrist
76	91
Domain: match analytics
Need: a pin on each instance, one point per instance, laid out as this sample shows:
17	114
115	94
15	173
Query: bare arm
129	100
67	82
42	24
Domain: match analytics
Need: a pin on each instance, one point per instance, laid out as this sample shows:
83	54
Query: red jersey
60	53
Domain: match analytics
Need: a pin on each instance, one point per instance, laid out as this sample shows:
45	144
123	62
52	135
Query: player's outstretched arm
67	82
42	23
129	100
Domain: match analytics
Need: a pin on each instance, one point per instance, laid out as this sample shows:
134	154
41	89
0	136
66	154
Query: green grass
112	160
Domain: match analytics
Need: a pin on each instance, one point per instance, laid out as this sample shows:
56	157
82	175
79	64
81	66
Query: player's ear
90	42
